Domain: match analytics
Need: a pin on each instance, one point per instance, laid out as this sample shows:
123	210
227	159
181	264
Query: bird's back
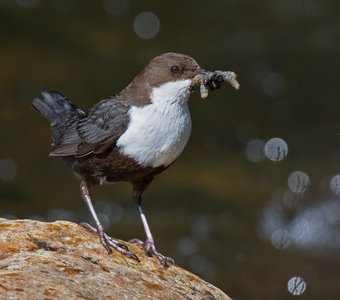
87	140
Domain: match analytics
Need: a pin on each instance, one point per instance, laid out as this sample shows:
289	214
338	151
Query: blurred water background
253	203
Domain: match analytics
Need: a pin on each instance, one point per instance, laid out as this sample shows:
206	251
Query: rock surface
62	260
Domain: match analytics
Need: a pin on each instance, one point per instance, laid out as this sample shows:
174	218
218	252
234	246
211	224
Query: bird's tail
58	110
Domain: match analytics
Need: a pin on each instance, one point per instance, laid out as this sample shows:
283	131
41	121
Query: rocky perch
62	260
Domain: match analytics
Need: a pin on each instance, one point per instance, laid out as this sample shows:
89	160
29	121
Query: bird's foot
109	243
150	250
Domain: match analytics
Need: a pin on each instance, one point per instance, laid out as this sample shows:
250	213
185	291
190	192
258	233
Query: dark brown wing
95	132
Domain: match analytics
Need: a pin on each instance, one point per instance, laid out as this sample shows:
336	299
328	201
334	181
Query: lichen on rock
62	260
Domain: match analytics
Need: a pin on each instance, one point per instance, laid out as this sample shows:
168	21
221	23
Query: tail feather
55	107
58	110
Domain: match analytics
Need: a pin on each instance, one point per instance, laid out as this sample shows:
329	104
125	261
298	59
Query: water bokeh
253	203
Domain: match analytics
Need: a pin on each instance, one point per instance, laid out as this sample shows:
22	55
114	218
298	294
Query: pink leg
105	240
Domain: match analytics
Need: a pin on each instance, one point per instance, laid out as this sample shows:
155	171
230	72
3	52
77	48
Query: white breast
158	133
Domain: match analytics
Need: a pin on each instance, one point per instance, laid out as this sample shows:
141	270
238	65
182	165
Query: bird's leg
149	245
105	240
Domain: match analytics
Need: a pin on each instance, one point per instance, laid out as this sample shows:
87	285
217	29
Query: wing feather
95	132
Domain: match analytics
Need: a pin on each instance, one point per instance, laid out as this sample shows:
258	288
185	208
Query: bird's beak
197	79
199	70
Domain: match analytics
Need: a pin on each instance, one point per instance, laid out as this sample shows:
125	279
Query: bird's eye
176	70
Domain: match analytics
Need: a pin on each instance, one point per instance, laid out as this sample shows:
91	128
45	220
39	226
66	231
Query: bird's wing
98	130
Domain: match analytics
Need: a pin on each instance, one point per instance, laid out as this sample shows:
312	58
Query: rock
62	260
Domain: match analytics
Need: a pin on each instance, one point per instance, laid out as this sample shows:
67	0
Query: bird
129	137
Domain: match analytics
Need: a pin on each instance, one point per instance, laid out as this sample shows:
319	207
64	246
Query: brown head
167	67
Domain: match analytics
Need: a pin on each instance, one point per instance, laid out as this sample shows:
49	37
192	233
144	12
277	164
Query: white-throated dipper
130	137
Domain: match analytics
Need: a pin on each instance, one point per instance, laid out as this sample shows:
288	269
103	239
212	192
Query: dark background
225	211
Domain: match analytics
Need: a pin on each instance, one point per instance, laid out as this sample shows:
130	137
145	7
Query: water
253	203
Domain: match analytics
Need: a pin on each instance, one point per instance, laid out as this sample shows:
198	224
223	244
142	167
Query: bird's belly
156	137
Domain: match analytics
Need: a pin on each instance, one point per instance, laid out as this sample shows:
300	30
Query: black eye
176	70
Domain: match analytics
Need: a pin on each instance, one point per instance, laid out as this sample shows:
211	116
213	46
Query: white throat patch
157	133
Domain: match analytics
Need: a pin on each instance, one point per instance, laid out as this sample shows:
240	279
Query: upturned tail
58	110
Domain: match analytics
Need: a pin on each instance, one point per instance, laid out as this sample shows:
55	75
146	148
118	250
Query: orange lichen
40	264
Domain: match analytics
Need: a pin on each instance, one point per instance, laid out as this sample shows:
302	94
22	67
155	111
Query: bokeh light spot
298	182
276	149
186	246
146	25
280	239
296	286
335	184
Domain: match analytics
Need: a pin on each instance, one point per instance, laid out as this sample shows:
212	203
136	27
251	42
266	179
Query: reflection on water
255	198
289	221
313	228
296	286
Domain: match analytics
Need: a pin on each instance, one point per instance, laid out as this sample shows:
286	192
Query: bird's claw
109	243
150	250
